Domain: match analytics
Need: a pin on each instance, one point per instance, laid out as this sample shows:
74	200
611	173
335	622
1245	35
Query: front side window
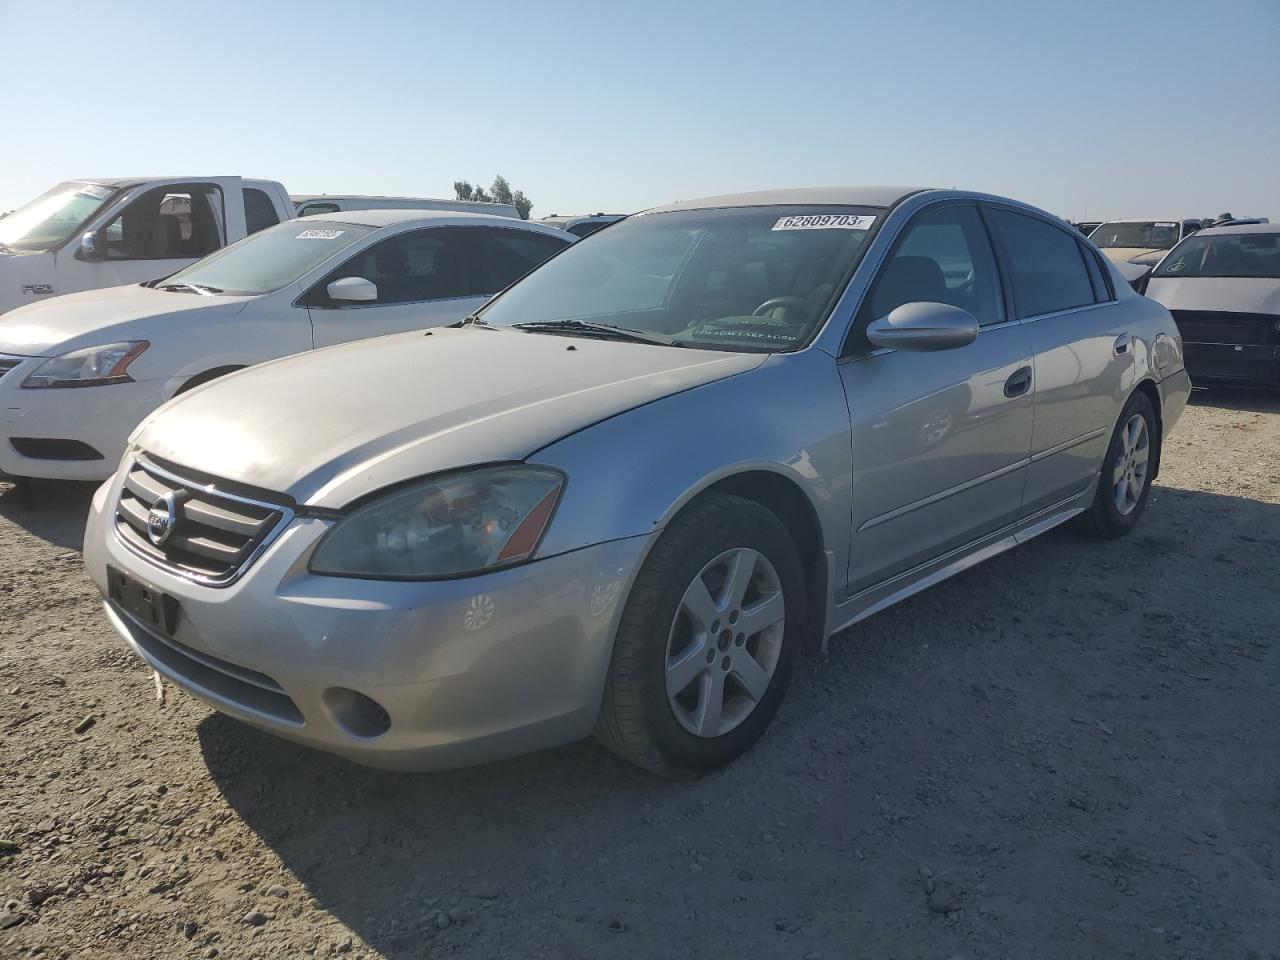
1226	255
944	256
268	260
1139	234
504	256
259	211
411	267
735	278
176	222
53	217
1047	266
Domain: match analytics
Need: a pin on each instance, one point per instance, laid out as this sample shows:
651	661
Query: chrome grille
7	364
211	535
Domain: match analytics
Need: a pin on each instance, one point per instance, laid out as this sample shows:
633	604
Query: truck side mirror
89	249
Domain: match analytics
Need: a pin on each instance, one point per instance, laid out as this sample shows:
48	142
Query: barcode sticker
320	234
825	221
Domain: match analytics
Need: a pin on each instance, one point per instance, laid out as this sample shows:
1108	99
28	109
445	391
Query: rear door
940	440
1084	366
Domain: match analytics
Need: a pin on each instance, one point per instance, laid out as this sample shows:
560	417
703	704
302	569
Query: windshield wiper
201	288
473	320
604	330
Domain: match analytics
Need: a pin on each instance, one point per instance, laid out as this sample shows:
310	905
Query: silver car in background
627	495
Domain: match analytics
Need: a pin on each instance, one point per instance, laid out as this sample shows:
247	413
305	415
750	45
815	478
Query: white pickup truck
86	234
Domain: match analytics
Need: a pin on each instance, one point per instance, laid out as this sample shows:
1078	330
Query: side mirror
924	326
355	289
89	249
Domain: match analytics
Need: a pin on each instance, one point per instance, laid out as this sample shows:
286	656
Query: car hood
333	425
94	317
1230	294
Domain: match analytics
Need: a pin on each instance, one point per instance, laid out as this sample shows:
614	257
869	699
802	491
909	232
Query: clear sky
1089	109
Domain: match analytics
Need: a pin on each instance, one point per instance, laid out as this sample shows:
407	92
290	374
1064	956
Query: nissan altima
627	494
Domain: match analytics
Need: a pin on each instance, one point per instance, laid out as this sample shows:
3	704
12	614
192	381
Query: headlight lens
90	367
448	526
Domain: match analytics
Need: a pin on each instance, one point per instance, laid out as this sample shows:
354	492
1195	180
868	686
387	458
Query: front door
940	440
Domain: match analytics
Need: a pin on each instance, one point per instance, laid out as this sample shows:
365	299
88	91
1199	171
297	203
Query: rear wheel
707	640
1126	470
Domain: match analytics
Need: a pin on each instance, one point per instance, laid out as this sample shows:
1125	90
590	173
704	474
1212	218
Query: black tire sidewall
757	529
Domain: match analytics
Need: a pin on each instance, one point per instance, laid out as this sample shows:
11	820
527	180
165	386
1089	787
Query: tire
660	643
1106	517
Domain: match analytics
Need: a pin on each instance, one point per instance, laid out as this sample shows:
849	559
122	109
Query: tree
499	192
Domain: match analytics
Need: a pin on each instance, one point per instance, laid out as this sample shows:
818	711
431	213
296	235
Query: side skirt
888	592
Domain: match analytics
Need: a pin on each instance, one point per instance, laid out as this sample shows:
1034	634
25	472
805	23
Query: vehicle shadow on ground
1236	398
1079	726
53	510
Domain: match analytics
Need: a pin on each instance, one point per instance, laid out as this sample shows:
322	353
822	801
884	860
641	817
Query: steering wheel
785	302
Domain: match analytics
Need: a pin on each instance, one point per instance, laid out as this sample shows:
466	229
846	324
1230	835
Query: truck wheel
707	640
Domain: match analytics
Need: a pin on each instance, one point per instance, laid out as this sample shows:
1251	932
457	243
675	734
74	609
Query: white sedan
302	285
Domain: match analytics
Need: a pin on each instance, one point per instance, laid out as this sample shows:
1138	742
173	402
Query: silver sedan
633	489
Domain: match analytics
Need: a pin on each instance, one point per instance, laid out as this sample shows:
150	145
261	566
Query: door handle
1018	383
1121	346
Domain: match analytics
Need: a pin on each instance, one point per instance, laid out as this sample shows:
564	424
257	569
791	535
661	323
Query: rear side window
314	208
259	211
586	228
503	256
1047	266
1101	289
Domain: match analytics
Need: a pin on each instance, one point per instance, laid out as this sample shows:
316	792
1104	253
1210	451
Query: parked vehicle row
78	373
623	495
95	233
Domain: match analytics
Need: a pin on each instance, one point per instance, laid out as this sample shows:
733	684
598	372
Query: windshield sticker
1166	224
320	234
95	191
826	221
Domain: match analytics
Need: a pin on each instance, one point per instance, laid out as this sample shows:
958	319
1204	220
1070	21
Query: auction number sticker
825	221
320	234
94	191
1166	224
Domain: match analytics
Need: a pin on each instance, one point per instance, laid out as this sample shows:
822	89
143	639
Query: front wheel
707	640
1126	470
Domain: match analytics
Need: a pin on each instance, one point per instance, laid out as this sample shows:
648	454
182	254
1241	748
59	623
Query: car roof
1241	228
1150	220
386	218
841	196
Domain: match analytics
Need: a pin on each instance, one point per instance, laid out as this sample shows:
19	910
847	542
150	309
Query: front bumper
467	670
1244	365
100	417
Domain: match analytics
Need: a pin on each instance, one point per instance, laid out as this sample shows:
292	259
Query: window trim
188	187
1003	253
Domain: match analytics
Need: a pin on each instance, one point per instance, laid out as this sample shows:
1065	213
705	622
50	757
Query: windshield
270	259
53	216
1147	234
739	278
1231	255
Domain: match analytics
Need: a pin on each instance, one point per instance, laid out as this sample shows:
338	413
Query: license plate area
155	609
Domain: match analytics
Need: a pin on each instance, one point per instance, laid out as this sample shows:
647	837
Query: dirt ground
1069	751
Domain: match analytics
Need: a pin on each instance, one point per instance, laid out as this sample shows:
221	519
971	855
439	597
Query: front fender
629	475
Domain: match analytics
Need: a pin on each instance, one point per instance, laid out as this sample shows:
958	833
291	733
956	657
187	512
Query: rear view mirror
89	249
924	326
353	289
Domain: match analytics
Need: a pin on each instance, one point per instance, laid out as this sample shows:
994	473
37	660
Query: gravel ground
1069	751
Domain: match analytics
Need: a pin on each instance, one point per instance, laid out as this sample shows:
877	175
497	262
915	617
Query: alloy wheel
725	642
1129	474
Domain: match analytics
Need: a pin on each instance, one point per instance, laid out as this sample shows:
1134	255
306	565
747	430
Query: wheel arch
213	373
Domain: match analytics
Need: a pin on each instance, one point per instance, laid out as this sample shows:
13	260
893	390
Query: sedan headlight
449	526
90	367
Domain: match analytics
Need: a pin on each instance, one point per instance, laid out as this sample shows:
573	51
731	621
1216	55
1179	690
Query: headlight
90	367
448	526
